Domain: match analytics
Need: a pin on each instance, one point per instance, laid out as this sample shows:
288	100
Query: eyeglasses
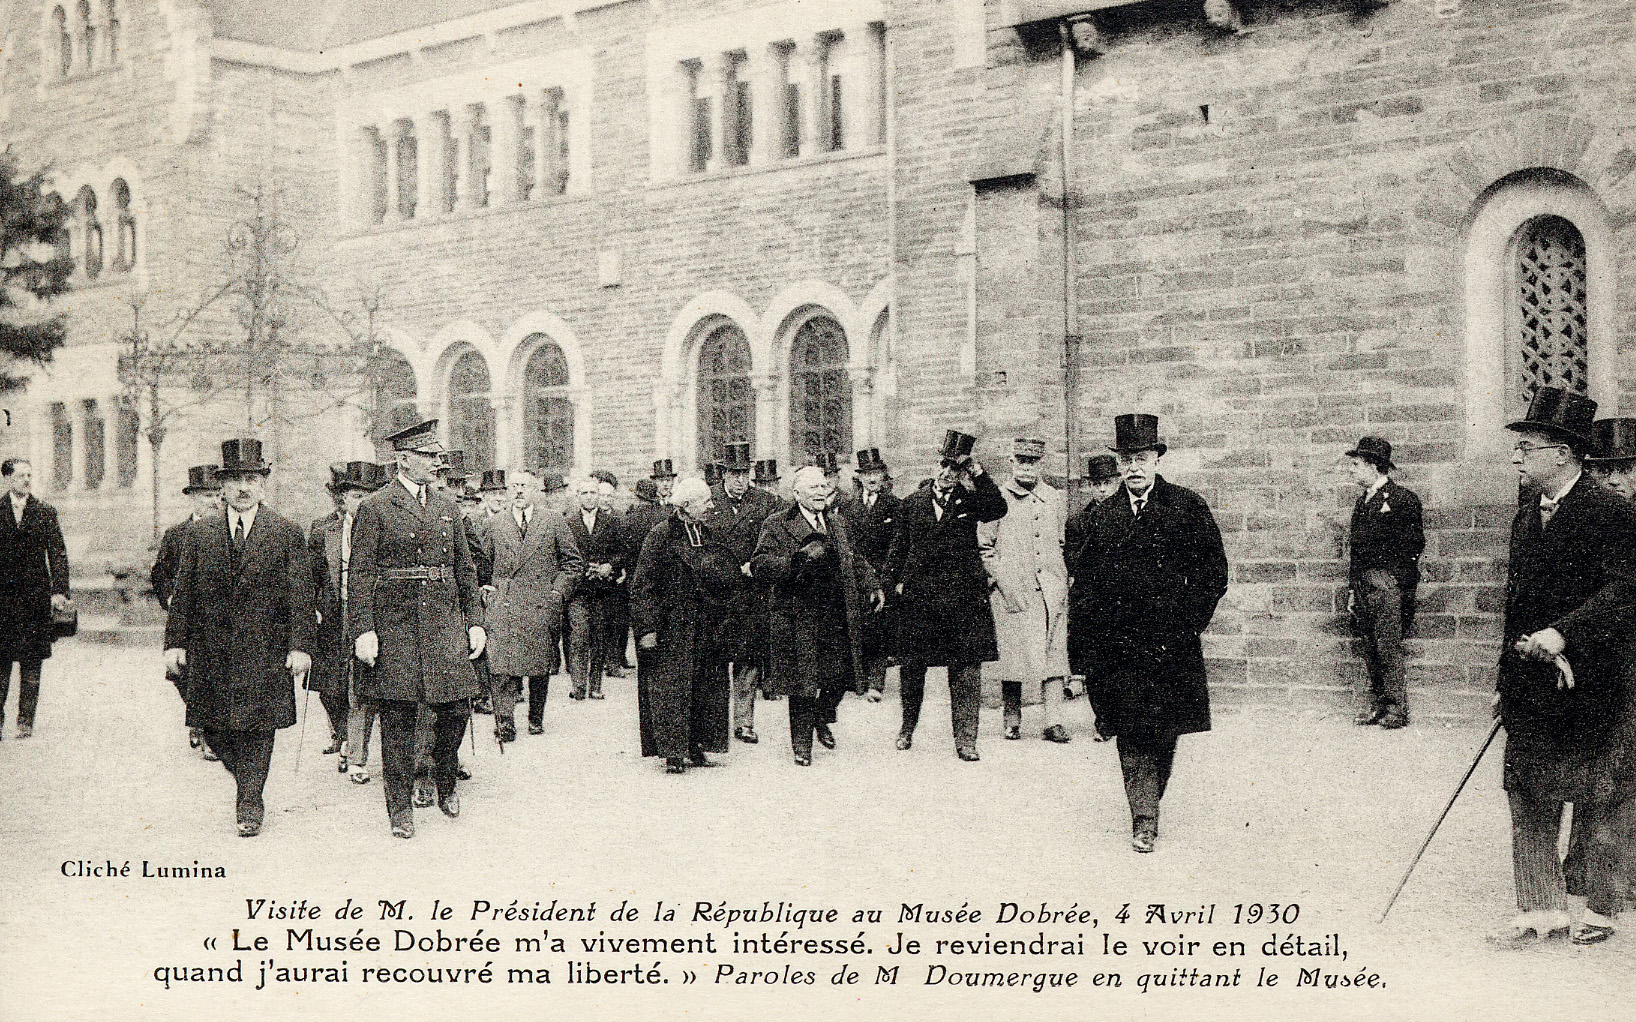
1524	447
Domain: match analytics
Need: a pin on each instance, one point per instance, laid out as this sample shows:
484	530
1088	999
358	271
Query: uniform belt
422	573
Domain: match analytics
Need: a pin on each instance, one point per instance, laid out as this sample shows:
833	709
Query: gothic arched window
820	389
395	395
90	232
471	413
1553	334
64	41
125	238
726	400
548	410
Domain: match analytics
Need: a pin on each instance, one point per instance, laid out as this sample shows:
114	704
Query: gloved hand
367	647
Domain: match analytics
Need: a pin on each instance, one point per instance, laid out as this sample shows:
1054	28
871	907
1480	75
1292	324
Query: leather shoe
359	774
505	730
1142	841
969	755
536	729
747	735
403	830
826	737
25	730
249	829
461	773
1368	717
423	792
576	695
195	737
1518	938
1391	720
596	693
904	742
333	747
803	761
450	804
613	672
697	758
675	765
1591	933
875	695
1013	732
1057	733
209	754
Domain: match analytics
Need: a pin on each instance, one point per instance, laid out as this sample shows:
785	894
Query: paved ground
1267	808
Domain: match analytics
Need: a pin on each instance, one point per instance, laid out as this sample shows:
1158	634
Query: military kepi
1560	415
1028	448
1137	432
1374	449
201	478
956	445
421	438
1615	440
243	455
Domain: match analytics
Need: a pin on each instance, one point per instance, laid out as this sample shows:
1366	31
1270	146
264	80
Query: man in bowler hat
871	514
205	494
417	618
934	567
1565	664
1153	568
242	623
1387	538
1102	480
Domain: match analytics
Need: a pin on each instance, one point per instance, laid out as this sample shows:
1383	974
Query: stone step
110	631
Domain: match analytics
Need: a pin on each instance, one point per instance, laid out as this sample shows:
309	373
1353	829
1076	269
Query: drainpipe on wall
1070	311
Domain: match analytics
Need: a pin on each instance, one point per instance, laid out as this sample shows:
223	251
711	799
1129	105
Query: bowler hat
421	437
869	460
956	445
1137	432
243	455
767	471
646	489
1101	466
201	477
829	461
736	458
493	479
662	469
553	482
1374	449
1615	440
1560	415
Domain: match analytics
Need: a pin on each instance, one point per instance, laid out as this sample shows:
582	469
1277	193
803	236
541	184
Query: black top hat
829	461
712	473
1101	466
384	472
662	469
869	460
421	437
493	479
767	471
243	455
1615	440
1560	415
354	475
736	457
553	482
1137	432
646	489
201	477
1374	449
956	445
453	464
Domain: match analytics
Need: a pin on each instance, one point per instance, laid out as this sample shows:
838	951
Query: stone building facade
607	232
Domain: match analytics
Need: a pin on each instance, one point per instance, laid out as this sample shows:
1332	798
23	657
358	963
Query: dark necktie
238	537
818	522
522	525
942	498
420	494
1547	509
1138	505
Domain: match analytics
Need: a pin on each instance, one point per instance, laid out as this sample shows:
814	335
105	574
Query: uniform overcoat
239	626
942	615
33	568
791	669
738	527
680	593
1151	585
1023	555
534	578
421	624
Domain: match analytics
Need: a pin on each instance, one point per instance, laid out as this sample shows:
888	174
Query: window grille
726	400
548	410
820	390
1554	337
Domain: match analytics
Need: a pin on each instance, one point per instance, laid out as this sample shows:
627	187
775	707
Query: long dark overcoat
680	593
1148	587
330	659
872	528
639	520
33	568
533	579
1577	575
166	560
942	615
421	624
738	527
238	626
790	666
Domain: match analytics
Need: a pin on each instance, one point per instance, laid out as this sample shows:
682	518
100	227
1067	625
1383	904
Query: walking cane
1427	843
306	701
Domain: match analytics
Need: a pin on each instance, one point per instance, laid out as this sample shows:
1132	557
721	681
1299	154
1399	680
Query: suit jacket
239	618
942	615
1387	534
872	527
1578	575
800	592
534	576
1149	586
421	624
605	546
33	568
167	560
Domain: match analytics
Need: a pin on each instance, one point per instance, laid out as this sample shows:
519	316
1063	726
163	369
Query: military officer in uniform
871	514
418	620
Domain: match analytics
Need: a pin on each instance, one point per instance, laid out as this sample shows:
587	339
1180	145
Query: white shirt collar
1146	497
413	487
1374	487
249	517
589	518
521	515
812	518
1562	492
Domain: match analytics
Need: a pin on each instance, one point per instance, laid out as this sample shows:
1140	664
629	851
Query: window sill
76	77
786	163
460	216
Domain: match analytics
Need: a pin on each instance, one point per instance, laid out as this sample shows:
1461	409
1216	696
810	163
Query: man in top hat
1565	662
1102	480
871	516
205	494
555	494
242	623
933	566
1387	539
664	479
767	478
1153	568
737	513
598	536
821	591
1023	555
1614	463
418	620
329	545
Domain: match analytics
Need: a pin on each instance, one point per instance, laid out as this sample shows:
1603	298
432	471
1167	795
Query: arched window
820	390
548	411
88	36
90	232
471	415
110	30
395	405
65	41
1551	292
726	401
125	248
